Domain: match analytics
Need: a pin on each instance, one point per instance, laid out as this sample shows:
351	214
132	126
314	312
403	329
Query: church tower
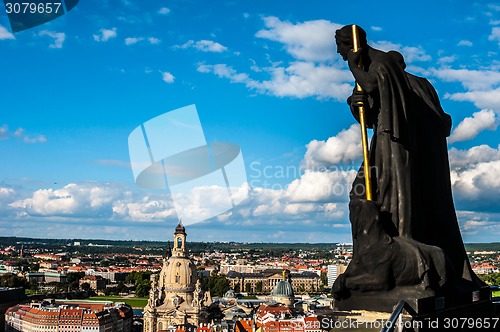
177	299
180	241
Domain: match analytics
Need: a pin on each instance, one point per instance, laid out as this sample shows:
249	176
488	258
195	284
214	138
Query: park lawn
134	302
495	294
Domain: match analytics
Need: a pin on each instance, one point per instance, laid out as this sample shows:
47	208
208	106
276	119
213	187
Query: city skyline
265	76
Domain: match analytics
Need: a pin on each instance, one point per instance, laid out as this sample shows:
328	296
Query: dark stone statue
408	235
383	262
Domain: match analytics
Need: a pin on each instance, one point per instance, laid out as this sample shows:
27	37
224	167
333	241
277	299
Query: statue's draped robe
436	217
409	161
390	116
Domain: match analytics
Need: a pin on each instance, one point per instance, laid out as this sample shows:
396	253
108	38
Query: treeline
159	247
492	279
122	246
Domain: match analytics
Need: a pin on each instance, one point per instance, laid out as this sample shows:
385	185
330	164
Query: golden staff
364	135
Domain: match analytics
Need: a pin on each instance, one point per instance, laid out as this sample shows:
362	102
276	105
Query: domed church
283	291
176	299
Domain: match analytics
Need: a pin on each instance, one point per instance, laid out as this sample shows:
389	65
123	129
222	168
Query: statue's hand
353	57
358	98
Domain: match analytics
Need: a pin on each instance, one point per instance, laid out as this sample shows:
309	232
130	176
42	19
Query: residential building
96	283
334	271
63	316
8	298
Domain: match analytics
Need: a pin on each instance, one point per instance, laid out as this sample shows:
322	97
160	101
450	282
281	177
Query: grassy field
495	294
134	302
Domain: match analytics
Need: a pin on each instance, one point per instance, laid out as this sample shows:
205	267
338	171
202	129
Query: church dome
230	294
283	289
178	274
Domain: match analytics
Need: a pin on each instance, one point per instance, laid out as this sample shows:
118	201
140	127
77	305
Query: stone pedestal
464	311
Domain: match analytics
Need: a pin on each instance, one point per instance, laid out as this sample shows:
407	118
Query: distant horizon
238	242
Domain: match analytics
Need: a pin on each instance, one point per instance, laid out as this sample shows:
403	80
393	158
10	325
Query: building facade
264	282
334	271
96	283
8	298
69	317
176	300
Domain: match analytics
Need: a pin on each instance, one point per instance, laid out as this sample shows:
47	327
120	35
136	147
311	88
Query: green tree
11	280
142	290
138	277
248	287
258	287
492	279
324	278
34	267
74	276
218	284
104	263
85	286
73	285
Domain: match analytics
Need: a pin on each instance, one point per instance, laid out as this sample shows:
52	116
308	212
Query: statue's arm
365	79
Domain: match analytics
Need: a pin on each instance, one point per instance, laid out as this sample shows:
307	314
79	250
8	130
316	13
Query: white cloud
164	11
21	134
375	28
321	186
225	71
92	201
472	126
460	159
478	186
495	35
305	200
36	139
345	147
475	177
204	46
480	226
5	34
71	201
105	35
481	99
168	77
209	46
204	202
465	43
310	40
147	209
153	40
59	38
4	131
410	53
300	80
306	79
447	59
470	79
6	193
133	40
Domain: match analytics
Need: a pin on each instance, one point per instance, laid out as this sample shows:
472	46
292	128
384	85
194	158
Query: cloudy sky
264	75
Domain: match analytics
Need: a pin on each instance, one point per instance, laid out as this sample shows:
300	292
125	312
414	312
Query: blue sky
264	75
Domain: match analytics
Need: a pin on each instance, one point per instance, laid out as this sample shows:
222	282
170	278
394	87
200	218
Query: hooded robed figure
408	153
